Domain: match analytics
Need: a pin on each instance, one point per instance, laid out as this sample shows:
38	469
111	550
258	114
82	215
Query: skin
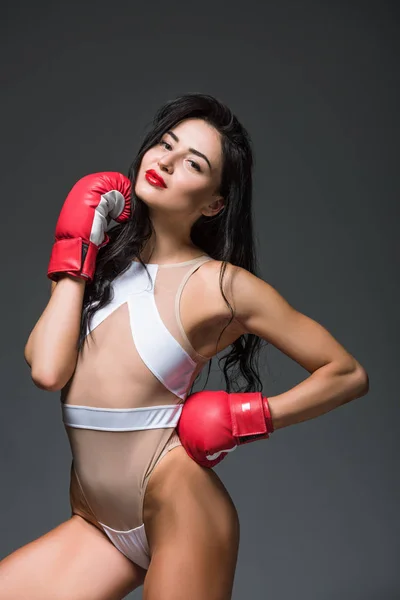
194	534
77	561
192	188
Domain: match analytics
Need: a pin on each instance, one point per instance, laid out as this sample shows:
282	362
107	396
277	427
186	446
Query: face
188	158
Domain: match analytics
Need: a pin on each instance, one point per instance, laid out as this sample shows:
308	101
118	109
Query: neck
170	241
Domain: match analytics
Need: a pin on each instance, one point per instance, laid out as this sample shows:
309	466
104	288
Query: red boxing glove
213	423
81	227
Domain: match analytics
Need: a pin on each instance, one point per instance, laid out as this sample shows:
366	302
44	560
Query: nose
165	164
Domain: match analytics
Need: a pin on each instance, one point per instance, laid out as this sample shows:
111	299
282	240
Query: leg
74	561
193	532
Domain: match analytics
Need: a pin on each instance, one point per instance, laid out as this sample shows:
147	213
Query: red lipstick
155	179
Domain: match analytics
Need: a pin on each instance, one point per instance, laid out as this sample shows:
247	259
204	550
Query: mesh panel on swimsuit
122	405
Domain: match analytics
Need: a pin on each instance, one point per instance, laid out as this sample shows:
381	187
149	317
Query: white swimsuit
124	401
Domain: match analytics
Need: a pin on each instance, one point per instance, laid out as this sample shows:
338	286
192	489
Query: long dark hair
227	237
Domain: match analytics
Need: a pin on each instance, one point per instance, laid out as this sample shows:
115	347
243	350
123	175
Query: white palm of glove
110	207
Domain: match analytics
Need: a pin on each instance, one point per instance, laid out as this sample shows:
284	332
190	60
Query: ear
214	207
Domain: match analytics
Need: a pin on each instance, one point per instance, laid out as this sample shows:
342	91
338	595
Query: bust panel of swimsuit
139	352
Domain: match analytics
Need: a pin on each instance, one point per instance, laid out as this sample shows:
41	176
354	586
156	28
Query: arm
213	423
52	347
336	377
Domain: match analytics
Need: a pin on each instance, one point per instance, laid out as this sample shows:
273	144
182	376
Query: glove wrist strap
249	422
74	257
267	415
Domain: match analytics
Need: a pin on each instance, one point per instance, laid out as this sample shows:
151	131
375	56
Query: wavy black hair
227	237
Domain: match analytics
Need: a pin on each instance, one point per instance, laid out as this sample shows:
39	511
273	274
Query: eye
163	142
195	165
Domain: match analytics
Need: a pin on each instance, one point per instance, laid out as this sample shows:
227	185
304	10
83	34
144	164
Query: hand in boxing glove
213	423
81	227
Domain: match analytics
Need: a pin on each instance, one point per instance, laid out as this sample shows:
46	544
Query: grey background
316	84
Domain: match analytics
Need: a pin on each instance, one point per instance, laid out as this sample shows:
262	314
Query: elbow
355	381
27	355
362	379
49	381
46	382
359	382
50	373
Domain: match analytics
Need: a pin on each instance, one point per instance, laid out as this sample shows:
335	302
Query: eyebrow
192	150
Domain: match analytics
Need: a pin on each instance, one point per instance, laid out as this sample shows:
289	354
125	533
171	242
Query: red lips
155	179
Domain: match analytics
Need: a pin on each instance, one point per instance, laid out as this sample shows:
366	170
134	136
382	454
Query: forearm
324	390
52	347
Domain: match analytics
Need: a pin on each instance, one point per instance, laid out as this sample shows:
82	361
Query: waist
121	419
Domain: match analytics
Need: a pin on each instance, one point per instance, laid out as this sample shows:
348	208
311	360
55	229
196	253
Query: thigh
74	561
193	532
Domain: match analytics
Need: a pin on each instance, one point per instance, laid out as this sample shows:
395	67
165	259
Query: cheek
189	184
199	190
150	158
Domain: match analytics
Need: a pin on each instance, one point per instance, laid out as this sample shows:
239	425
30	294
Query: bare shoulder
224	282
214	277
249	295
260	309
251	305
206	313
236	282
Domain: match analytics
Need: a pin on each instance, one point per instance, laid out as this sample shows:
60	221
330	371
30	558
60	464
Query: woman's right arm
52	347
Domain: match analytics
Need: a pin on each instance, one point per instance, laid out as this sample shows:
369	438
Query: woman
152	276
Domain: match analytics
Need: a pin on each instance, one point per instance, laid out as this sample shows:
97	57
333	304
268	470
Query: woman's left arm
336	377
